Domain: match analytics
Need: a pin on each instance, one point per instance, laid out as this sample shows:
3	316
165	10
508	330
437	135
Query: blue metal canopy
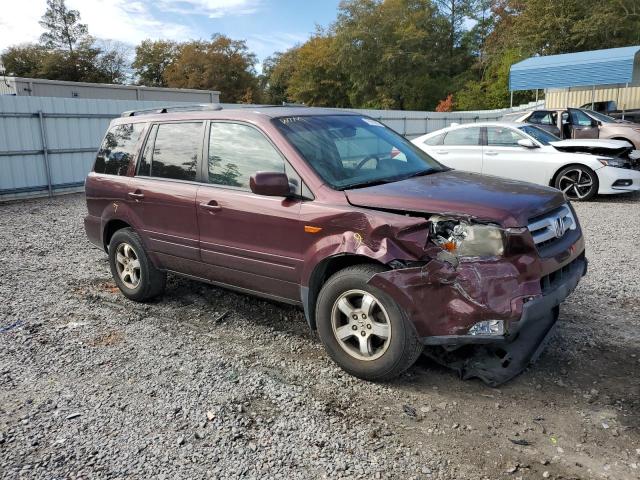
597	67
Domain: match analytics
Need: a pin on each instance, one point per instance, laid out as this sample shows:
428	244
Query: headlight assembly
465	239
613	162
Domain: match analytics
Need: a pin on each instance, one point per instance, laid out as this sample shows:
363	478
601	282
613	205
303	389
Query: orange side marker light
311	229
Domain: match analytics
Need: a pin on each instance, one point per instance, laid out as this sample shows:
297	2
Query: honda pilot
388	252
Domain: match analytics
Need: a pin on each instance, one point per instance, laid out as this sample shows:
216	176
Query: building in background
576	79
38	87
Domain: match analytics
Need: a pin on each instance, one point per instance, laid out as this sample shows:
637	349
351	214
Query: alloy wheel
576	184
361	325
128	265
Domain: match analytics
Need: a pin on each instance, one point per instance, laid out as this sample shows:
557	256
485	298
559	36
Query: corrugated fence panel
73	128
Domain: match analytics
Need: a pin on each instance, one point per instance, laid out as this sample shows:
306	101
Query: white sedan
580	168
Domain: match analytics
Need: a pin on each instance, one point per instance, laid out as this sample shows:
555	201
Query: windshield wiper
380	181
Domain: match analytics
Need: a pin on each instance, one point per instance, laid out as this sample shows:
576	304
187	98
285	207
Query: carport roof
597	67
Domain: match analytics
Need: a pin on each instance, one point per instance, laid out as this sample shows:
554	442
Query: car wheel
137	278
577	182
362	328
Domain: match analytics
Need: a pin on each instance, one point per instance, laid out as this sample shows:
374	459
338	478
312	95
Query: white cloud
20	25
210	8
126	21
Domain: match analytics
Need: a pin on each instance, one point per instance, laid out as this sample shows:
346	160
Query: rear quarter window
118	148
435	140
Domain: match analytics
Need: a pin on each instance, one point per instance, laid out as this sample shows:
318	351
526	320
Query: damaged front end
476	296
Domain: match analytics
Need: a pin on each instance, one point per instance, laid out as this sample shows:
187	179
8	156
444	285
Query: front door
504	157
163	193
461	149
248	241
582	125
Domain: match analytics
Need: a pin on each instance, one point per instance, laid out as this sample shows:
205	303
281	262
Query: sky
266	25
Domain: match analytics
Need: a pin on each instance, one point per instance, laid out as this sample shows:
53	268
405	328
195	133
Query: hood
491	199
592	143
607	148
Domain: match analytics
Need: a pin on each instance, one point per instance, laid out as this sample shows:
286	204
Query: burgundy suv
386	250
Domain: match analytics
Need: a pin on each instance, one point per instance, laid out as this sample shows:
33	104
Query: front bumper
616	180
498	362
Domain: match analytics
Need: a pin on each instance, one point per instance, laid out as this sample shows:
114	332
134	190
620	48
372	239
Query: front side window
463	136
174	153
237	151
435	140
503	137
579	118
349	151
118	148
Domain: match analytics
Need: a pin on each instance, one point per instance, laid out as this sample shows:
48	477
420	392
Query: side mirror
527	143
271	184
595	123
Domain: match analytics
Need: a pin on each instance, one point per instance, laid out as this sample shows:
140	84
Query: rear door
460	149
503	157
545	119
163	193
582	125
248	241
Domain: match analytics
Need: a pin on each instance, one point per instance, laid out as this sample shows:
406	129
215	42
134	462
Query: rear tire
363	330
577	182
136	276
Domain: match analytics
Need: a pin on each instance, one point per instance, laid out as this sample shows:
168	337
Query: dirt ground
206	383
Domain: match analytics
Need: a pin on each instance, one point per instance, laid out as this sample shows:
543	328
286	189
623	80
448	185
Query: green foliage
67	52
151	61
221	64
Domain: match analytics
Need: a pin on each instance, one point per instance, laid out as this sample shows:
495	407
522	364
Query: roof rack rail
174	108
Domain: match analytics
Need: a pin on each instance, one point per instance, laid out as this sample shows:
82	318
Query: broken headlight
613	162
465	239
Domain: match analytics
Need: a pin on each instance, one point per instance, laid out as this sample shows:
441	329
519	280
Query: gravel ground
206	383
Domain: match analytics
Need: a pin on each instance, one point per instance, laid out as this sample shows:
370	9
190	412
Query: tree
316	79
151	61
24	60
62	26
113	61
277	71
221	64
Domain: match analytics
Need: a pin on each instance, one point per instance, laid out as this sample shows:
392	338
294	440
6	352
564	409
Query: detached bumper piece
499	362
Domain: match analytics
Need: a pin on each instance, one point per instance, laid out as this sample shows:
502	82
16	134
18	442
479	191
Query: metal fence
48	145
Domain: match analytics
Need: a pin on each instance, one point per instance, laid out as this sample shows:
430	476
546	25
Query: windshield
351	151
539	134
601	116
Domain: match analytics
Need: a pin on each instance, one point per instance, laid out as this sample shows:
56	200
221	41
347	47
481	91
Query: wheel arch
321	273
552	182
111	227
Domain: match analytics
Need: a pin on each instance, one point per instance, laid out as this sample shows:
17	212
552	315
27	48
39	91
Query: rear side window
542	118
172	151
463	136
238	151
118	148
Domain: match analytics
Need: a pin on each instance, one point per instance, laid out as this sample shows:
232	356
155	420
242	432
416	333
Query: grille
551	227
551	281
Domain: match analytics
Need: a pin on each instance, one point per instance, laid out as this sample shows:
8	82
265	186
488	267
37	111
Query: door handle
137	195
211	206
491	152
442	152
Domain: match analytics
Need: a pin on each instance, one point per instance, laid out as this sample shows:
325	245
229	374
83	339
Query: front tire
577	182
363	330
136	277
